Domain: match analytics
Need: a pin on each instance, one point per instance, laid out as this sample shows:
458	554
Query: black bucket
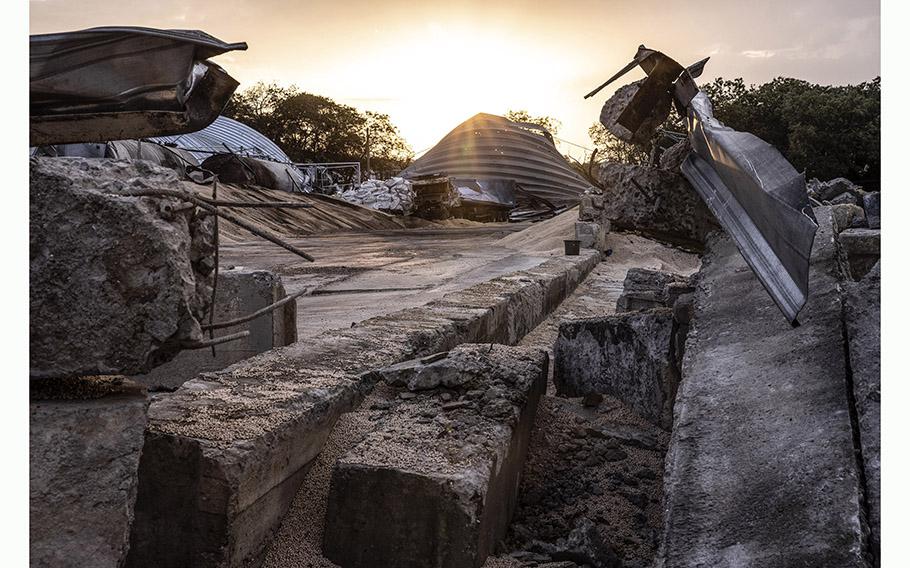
572	247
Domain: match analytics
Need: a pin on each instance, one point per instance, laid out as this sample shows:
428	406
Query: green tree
313	128
548	122
827	131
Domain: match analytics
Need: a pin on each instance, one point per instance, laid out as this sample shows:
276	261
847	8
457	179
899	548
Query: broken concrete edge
419	492
760	522
84	453
228	446
241	292
630	356
862	329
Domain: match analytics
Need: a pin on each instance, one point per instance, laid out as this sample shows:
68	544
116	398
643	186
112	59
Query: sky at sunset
431	65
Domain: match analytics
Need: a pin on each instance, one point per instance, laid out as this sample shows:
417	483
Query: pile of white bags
390	196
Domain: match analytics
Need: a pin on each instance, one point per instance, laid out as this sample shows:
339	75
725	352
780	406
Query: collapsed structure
462	455
488	148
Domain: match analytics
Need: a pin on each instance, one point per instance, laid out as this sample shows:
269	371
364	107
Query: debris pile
656	203
394	195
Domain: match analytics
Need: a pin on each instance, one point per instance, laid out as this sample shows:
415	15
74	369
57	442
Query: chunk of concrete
84	447
116	284
439	492
656	203
226	452
630	356
872	204
848	217
592	235
590	207
845	198
761	469
673	157
861	249
643	289
241	291
862	317
826	190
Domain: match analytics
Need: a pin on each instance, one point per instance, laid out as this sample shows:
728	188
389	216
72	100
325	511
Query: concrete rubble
644	289
862	320
436	481
117	284
85	438
861	249
872	204
655	203
241	292
394	195
631	357
761	468
227	451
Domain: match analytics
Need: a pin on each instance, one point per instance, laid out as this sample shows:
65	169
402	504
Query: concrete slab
862	249
226	451
761	468
84	447
241	291
862	317
628	356
435	484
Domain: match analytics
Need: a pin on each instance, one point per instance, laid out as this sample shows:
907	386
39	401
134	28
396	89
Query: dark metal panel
121	83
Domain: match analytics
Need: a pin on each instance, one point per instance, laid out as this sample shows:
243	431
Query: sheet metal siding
227	135
489	146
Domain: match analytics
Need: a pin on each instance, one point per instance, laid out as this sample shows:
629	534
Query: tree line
827	131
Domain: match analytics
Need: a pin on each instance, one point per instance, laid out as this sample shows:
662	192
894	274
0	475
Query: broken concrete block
826	190
845	198
673	157
761	469
862	317
226	453
592	235
848	216
656	203
872	204
84	447
241	291
644	289
862	249
630	356
435	484
117	284
614	106
590	207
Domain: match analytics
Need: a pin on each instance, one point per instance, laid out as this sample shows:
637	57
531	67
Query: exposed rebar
257	313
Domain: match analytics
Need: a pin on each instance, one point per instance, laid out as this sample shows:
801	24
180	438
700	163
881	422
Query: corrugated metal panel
226	135
489	146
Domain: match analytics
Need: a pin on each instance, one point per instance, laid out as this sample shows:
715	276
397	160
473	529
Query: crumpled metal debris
756	195
117	83
487	146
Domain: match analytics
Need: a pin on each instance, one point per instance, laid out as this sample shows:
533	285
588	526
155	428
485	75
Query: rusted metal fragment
118	83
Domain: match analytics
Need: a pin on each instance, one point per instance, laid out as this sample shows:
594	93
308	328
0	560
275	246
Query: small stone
407	395
592	400
446	397
615	455
456	405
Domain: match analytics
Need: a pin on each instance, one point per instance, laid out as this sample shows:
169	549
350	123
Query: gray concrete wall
85	437
762	470
241	291
226	452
